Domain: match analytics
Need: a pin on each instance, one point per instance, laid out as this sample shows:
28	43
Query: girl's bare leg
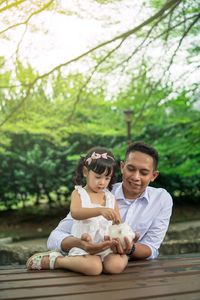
85	264
115	263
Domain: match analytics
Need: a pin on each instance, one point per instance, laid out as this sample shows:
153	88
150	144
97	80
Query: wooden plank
132	267
137	287
122	295
146	263
160	279
73	277
142	293
188	296
165	262
49	281
37	275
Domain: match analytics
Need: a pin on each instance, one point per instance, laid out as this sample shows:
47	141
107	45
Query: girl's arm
117	212
80	213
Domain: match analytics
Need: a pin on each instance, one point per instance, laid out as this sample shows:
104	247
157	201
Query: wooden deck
171	278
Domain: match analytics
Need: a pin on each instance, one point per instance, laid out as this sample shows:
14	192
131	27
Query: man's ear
155	174
122	166
85	171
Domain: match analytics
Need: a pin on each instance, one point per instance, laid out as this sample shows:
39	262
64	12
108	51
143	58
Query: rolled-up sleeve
148	215
156	232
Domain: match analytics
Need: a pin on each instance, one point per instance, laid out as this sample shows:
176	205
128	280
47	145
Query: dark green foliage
183	189
51	118
33	167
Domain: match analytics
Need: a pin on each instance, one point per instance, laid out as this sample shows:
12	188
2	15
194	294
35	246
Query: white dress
96	227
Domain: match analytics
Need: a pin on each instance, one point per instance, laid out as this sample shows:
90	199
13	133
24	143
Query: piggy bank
120	231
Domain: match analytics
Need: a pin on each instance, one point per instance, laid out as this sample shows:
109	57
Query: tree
135	68
170	23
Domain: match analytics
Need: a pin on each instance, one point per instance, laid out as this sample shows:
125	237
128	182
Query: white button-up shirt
148	215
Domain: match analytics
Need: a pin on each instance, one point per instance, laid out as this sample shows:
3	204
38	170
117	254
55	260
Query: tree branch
181	40
122	36
12	5
90	77
17	107
28	19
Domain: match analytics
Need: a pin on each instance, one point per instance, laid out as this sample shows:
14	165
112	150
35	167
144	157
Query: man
147	210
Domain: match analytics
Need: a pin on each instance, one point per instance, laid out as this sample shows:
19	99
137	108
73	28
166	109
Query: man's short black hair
144	148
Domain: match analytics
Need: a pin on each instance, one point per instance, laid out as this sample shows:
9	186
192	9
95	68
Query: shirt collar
119	194
145	195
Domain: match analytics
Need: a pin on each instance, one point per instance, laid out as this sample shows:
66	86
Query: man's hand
91	248
117	247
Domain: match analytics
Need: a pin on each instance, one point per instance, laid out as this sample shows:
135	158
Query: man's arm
62	231
86	244
157	231
148	245
141	251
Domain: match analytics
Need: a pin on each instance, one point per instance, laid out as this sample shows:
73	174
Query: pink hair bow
97	156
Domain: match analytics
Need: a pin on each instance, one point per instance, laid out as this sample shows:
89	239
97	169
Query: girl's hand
109	214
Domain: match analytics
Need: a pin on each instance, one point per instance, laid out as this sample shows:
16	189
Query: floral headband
97	156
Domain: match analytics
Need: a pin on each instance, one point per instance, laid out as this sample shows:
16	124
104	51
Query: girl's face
96	182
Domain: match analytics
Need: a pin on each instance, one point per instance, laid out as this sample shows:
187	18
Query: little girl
94	209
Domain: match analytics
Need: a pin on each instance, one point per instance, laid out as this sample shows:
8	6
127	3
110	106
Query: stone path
184	225
32	243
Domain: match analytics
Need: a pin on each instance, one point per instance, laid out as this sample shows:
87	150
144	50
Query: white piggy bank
120	231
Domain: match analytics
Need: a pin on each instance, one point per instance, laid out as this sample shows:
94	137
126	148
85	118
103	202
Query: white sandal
36	259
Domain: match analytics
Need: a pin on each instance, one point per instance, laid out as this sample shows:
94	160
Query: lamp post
128	113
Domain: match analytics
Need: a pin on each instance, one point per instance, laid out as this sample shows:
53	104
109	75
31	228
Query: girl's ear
85	171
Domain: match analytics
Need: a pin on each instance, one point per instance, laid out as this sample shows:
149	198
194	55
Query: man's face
137	172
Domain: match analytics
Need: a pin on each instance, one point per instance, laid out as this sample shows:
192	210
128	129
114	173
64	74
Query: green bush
33	168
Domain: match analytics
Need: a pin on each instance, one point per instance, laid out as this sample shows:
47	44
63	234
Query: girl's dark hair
98	166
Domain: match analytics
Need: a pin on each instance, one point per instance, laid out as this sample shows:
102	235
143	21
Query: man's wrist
132	251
